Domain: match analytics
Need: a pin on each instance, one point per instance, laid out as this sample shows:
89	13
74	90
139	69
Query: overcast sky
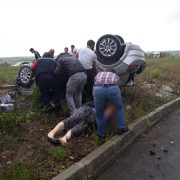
45	24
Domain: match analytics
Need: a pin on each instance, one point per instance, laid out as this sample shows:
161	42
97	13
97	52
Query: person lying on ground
78	123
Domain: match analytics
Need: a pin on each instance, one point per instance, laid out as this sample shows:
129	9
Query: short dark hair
90	43
72	46
47	55
31	49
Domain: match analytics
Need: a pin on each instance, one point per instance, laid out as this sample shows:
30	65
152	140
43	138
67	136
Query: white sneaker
130	83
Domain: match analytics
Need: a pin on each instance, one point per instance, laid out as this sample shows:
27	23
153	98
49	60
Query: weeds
8	120
23	171
59	154
8	73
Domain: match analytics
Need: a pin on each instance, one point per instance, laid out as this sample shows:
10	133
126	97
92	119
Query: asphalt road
155	156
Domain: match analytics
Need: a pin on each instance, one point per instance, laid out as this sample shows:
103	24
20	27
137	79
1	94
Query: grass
60	154
8	73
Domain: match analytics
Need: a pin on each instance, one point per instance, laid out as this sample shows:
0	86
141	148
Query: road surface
155	156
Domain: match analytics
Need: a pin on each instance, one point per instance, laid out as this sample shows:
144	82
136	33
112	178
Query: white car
22	63
125	58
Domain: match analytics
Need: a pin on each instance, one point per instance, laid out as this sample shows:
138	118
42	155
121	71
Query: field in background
13	60
26	153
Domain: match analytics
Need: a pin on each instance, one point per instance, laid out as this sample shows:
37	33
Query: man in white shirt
88	58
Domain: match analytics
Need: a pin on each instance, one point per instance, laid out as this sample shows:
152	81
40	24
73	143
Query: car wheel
109	49
25	76
120	39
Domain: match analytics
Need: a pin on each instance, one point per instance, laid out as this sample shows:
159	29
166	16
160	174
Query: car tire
25	76
109	49
120	39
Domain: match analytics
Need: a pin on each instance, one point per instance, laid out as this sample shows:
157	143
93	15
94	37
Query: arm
94	67
34	66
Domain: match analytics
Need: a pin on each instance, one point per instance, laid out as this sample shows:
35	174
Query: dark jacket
37	55
45	66
68	65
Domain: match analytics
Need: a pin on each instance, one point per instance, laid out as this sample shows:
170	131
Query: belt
105	85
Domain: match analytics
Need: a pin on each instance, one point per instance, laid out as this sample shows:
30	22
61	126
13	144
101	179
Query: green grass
59	154
165	70
8	120
23	171
8	73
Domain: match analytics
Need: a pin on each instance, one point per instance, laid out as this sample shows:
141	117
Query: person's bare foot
51	134
63	141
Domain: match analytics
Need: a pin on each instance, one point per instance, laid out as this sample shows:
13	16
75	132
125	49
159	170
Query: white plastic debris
7	107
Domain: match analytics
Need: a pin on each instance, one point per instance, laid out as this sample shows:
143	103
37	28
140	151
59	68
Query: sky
43	24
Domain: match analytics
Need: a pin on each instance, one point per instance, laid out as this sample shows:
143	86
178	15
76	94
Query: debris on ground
7	102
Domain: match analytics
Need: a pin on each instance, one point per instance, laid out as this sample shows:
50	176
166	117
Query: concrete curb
97	161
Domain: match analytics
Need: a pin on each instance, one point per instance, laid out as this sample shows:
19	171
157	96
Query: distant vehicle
22	63
112	53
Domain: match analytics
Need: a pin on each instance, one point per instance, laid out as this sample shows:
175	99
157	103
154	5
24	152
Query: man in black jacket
36	53
74	73
47	82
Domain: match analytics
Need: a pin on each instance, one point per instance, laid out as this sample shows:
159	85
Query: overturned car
112	52
127	59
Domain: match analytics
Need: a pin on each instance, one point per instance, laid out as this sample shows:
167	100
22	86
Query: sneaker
122	130
130	83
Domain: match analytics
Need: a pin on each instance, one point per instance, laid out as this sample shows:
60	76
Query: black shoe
48	108
54	141
122	130
57	108
101	140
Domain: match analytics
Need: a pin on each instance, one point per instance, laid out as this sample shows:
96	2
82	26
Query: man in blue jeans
105	91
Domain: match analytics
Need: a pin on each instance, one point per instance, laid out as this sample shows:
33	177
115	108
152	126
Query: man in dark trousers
88	58
47	82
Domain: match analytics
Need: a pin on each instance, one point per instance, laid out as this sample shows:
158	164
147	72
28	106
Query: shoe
57	108
130	83
54	141
101	140
122	130
48	108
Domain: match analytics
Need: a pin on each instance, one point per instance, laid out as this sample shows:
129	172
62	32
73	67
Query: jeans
74	90
103	96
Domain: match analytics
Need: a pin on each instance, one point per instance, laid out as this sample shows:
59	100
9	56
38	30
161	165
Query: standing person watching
75	75
36	53
106	90
88	58
52	51
73	51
